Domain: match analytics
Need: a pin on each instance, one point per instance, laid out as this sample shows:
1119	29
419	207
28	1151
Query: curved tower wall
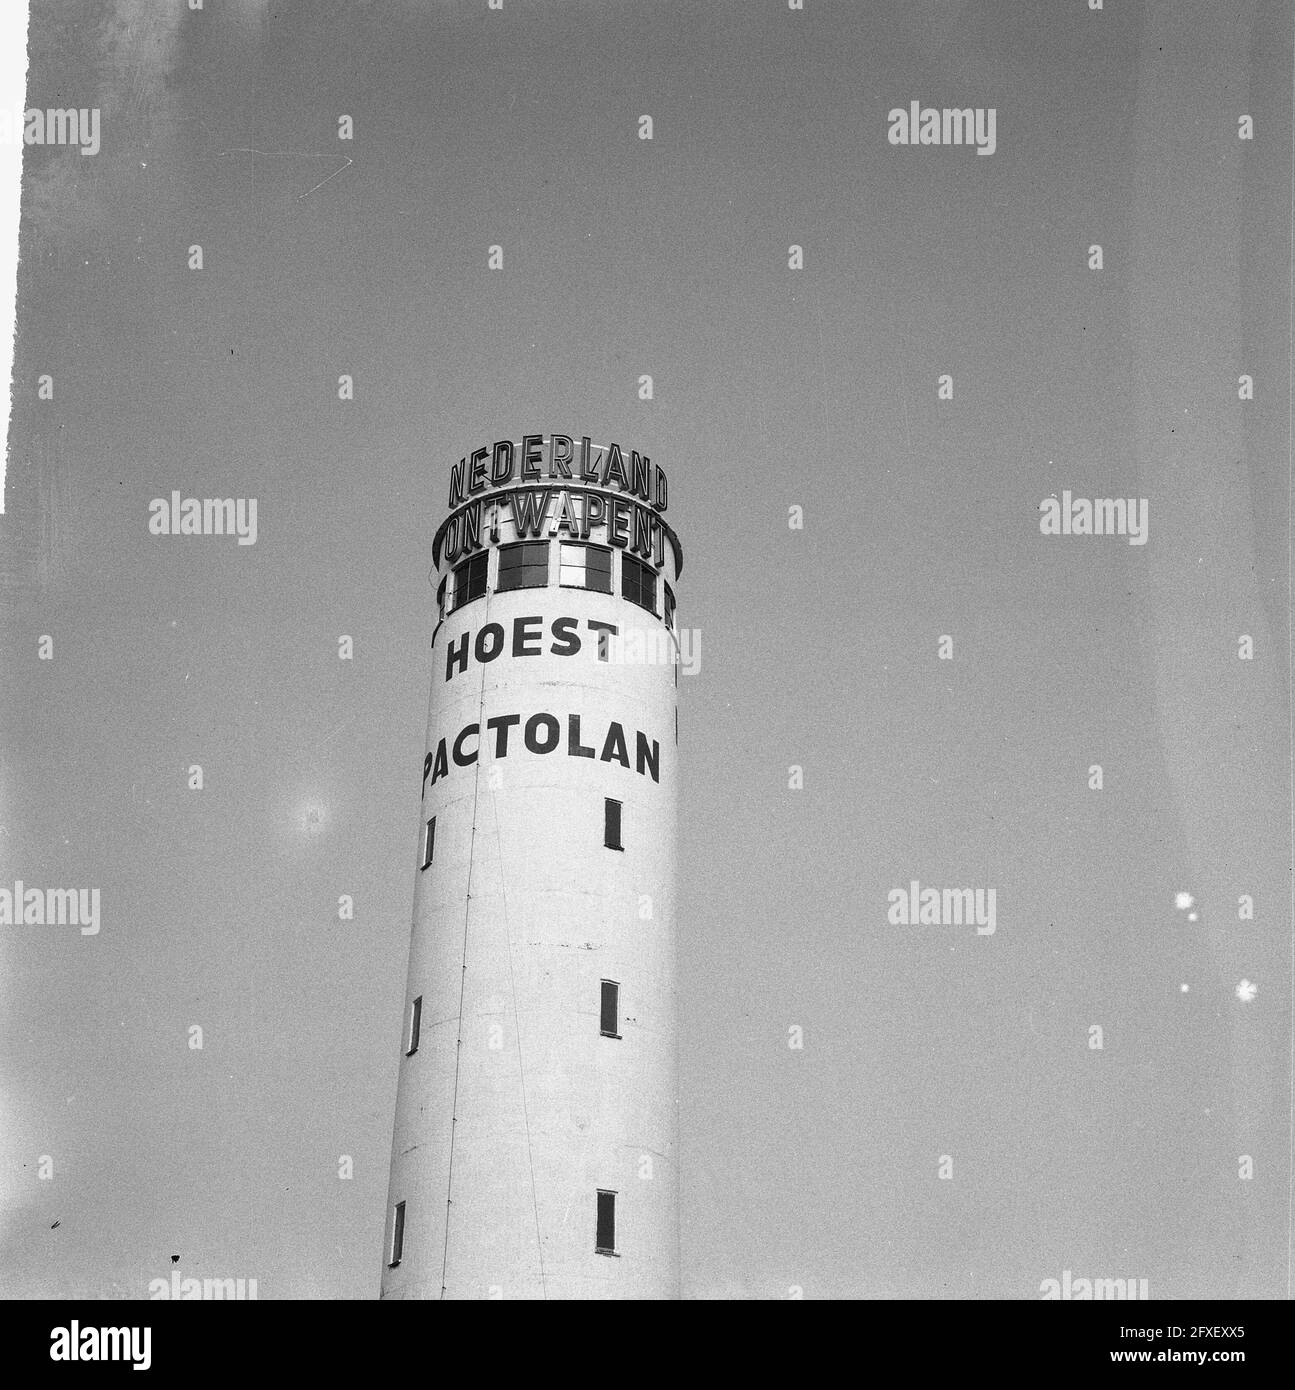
516	1110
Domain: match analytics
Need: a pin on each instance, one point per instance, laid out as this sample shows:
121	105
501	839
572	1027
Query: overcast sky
815	1168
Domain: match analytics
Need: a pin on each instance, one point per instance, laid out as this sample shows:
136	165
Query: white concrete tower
535	1151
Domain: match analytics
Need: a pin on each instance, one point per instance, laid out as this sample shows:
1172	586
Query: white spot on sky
1182	901
1192	916
312	817
1184	988
1246	991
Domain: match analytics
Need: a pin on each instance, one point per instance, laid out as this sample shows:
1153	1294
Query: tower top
553	486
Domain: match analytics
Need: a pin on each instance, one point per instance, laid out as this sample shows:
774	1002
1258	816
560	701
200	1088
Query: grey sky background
815	1168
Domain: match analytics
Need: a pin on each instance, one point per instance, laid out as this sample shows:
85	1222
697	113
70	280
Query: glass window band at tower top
525	565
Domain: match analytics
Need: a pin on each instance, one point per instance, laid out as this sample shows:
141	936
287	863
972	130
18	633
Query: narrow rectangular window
610	1023
612	824
397	1234
598	569
429	841
524	566
585	567
571	566
415	1025
638	583
669	605
605	1240
470	579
